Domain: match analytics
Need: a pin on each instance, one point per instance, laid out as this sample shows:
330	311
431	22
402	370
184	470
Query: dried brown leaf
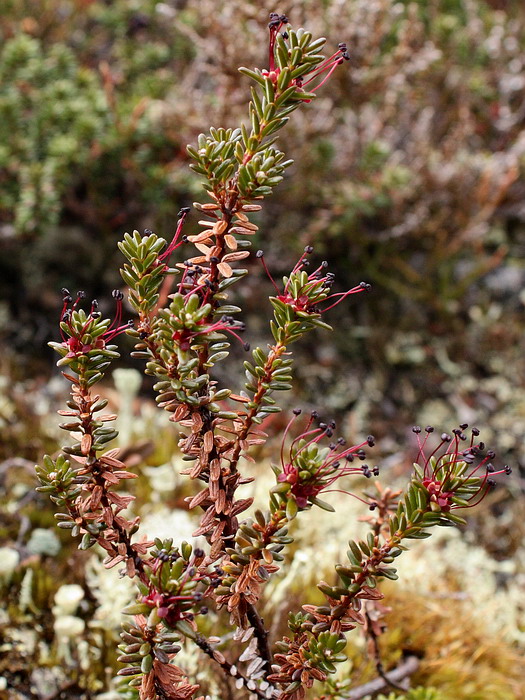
85	443
200	237
220	227
239	255
225	269
230	241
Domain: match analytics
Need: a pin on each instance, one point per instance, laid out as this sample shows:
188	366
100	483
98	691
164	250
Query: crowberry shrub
184	323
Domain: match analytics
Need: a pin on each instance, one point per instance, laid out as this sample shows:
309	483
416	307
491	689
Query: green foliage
52	112
138	654
74	116
141	270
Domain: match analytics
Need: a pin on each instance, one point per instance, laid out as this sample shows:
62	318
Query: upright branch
309	469
184	341
181	342
87	490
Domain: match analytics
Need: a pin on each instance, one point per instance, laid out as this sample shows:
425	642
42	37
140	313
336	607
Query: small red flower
304	293
328	66
226	324
81	336
178	603
456	475
311	468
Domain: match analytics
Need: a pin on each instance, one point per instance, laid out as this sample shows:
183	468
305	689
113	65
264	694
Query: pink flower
81	334
326	67
458	472
305	292
226	324
310	468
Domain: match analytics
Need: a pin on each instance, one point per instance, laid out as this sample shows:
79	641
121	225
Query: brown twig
261	633
401	672
230	669
374	638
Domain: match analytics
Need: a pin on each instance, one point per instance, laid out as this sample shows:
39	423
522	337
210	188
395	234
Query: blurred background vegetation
408	174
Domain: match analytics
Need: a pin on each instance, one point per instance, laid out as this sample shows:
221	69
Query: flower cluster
451	477
82	333
303	292
87	490
189	320
310	469
279	53
177	584
458	471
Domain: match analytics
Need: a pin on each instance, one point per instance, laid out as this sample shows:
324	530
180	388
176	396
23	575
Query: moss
458	655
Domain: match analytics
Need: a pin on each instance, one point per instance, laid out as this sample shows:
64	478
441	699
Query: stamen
318	432
326	78
326	63
260	255
175	243
343	295
347	493
286	430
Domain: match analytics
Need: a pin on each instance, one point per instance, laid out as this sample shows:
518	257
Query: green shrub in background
76	139
52	112
433	131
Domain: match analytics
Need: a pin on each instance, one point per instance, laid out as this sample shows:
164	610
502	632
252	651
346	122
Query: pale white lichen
112	593
163	479
127	383
68	627
449	564
10	559
44	541
67	599
68	637
164	522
